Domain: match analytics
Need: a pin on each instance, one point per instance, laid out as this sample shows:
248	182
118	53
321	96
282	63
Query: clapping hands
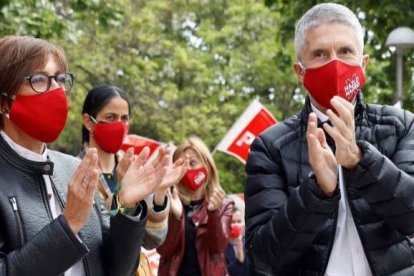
81	190
140	177
176	205
321	158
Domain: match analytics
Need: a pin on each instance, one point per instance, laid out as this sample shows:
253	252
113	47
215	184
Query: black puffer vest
291	224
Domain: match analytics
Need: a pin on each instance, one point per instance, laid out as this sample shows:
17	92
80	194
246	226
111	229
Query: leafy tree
190	69
378	20
193	66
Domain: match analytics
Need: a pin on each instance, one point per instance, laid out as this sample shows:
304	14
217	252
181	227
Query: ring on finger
85	182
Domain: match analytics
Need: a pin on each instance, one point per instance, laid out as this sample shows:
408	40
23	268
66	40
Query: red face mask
41	116
236	231
110	135
334	78
194	178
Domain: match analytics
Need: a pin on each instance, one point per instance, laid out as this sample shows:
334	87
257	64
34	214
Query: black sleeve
42	255
280	227
123	242
387	184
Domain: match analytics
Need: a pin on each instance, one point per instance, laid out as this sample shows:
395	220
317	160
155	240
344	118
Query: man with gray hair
330	190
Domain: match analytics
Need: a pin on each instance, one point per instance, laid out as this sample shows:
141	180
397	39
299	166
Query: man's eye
346	51
318	54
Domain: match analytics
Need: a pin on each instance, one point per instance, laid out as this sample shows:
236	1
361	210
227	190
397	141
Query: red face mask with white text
194	179
335	78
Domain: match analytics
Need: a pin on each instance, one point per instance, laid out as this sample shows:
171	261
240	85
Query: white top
77	269
347	255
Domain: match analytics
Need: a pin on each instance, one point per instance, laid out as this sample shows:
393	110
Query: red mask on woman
193	179
41	116
110	135
334	78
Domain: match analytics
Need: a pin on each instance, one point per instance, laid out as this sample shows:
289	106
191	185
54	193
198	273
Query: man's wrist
355	159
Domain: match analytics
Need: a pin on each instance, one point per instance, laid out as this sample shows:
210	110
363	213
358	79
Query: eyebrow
111	114
318	50
47	73
116	114
347	47
341	48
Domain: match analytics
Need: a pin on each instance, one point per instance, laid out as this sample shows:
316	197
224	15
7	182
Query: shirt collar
23	152
321	116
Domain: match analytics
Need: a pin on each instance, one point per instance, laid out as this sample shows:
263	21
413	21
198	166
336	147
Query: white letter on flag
254	120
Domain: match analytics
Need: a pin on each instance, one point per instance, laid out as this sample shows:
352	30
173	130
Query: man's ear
299	71
365	60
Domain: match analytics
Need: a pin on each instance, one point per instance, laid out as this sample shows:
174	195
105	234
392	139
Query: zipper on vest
18	217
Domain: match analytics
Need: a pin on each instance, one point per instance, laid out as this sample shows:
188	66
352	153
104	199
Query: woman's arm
51	251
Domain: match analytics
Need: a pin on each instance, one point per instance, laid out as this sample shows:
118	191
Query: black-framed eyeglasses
41	82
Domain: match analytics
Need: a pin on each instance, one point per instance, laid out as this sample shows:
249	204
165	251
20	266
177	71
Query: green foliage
20	18
378	20
193	66
188	70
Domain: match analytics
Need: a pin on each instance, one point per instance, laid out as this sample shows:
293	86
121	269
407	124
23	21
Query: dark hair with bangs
20	57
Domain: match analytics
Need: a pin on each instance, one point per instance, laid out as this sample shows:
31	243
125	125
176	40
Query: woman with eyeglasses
50	220
106	112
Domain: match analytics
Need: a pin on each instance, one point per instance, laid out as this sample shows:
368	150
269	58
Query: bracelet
119	208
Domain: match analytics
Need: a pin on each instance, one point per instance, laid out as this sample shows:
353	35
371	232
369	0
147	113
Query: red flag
138	143
255	119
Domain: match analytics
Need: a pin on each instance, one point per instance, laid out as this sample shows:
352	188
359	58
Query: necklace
108	180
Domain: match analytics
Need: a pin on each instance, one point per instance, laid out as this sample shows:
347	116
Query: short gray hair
326	13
